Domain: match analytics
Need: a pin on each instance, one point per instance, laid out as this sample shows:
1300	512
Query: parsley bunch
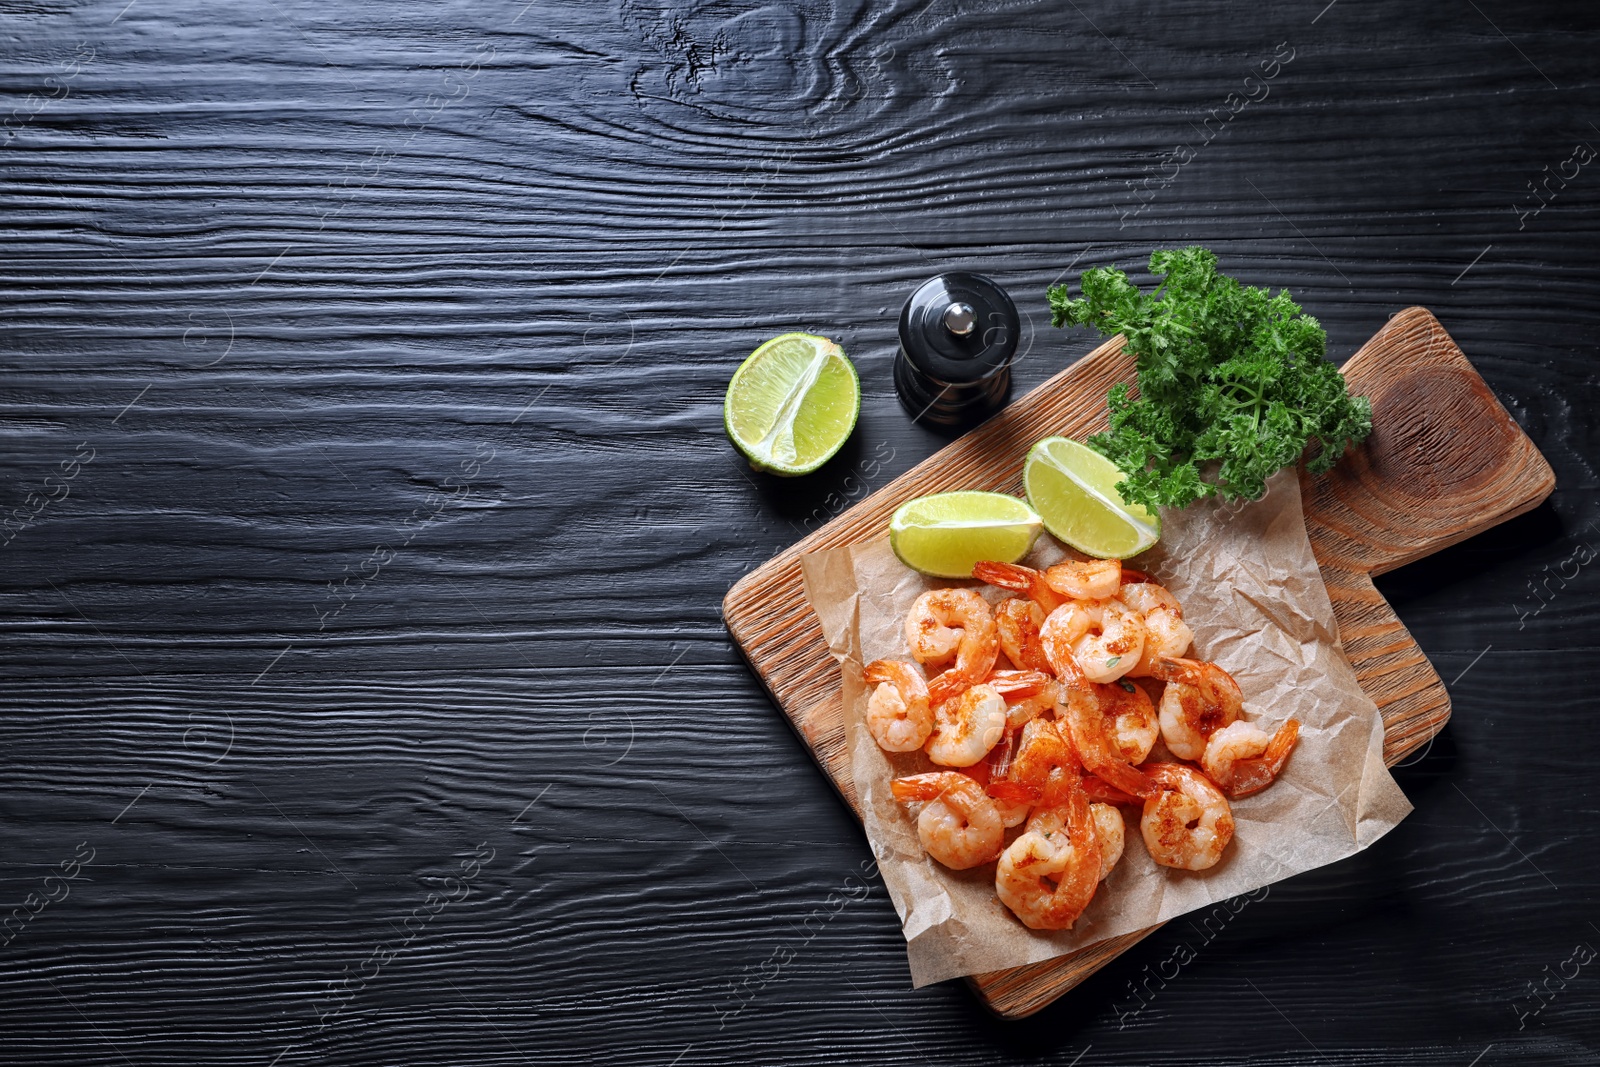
1233	382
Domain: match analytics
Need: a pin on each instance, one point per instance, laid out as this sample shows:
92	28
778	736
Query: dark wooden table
366	699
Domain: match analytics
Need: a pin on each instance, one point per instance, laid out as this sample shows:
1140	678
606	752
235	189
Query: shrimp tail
1100	791
899	674
930	786
1252	775
1011	792
1123	777
1005	575
997	764
1133	577
947	686
1173	669
1282	744
1019	579
1066	666
1019	683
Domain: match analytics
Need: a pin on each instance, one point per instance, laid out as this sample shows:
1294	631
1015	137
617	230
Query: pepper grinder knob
959	318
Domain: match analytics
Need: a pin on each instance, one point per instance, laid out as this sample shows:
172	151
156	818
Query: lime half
792	404
1074	489
945	535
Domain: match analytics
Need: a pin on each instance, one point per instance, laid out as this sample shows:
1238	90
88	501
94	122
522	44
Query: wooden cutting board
1444	462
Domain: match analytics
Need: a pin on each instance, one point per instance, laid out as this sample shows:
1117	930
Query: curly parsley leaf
1233	382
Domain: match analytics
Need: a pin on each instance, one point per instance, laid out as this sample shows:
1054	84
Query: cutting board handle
1445	461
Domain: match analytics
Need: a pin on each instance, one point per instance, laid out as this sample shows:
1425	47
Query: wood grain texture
285	294
1444	461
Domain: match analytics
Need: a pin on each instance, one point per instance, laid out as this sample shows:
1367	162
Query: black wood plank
376	354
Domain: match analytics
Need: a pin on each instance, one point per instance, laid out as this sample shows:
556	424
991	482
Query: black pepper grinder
958	333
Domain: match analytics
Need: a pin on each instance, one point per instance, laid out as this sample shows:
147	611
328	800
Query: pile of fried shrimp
1059	741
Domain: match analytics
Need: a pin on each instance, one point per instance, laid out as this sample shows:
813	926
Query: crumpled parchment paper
1252	593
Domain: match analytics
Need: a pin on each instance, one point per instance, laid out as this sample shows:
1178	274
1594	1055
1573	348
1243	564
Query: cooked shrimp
1114	644
1040	751
1018	618
1104	637
1094	729
1187	823
959	622
1243	759
1094	579
1201	698
1048	875
1166	634
1128	719
960	826
1097	731
932	640
1062	629
966	727
898	715
1109	831
1145	597
1017	621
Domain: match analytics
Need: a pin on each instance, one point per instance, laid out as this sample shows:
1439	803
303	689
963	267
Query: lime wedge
1074	489
945	535
792	404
